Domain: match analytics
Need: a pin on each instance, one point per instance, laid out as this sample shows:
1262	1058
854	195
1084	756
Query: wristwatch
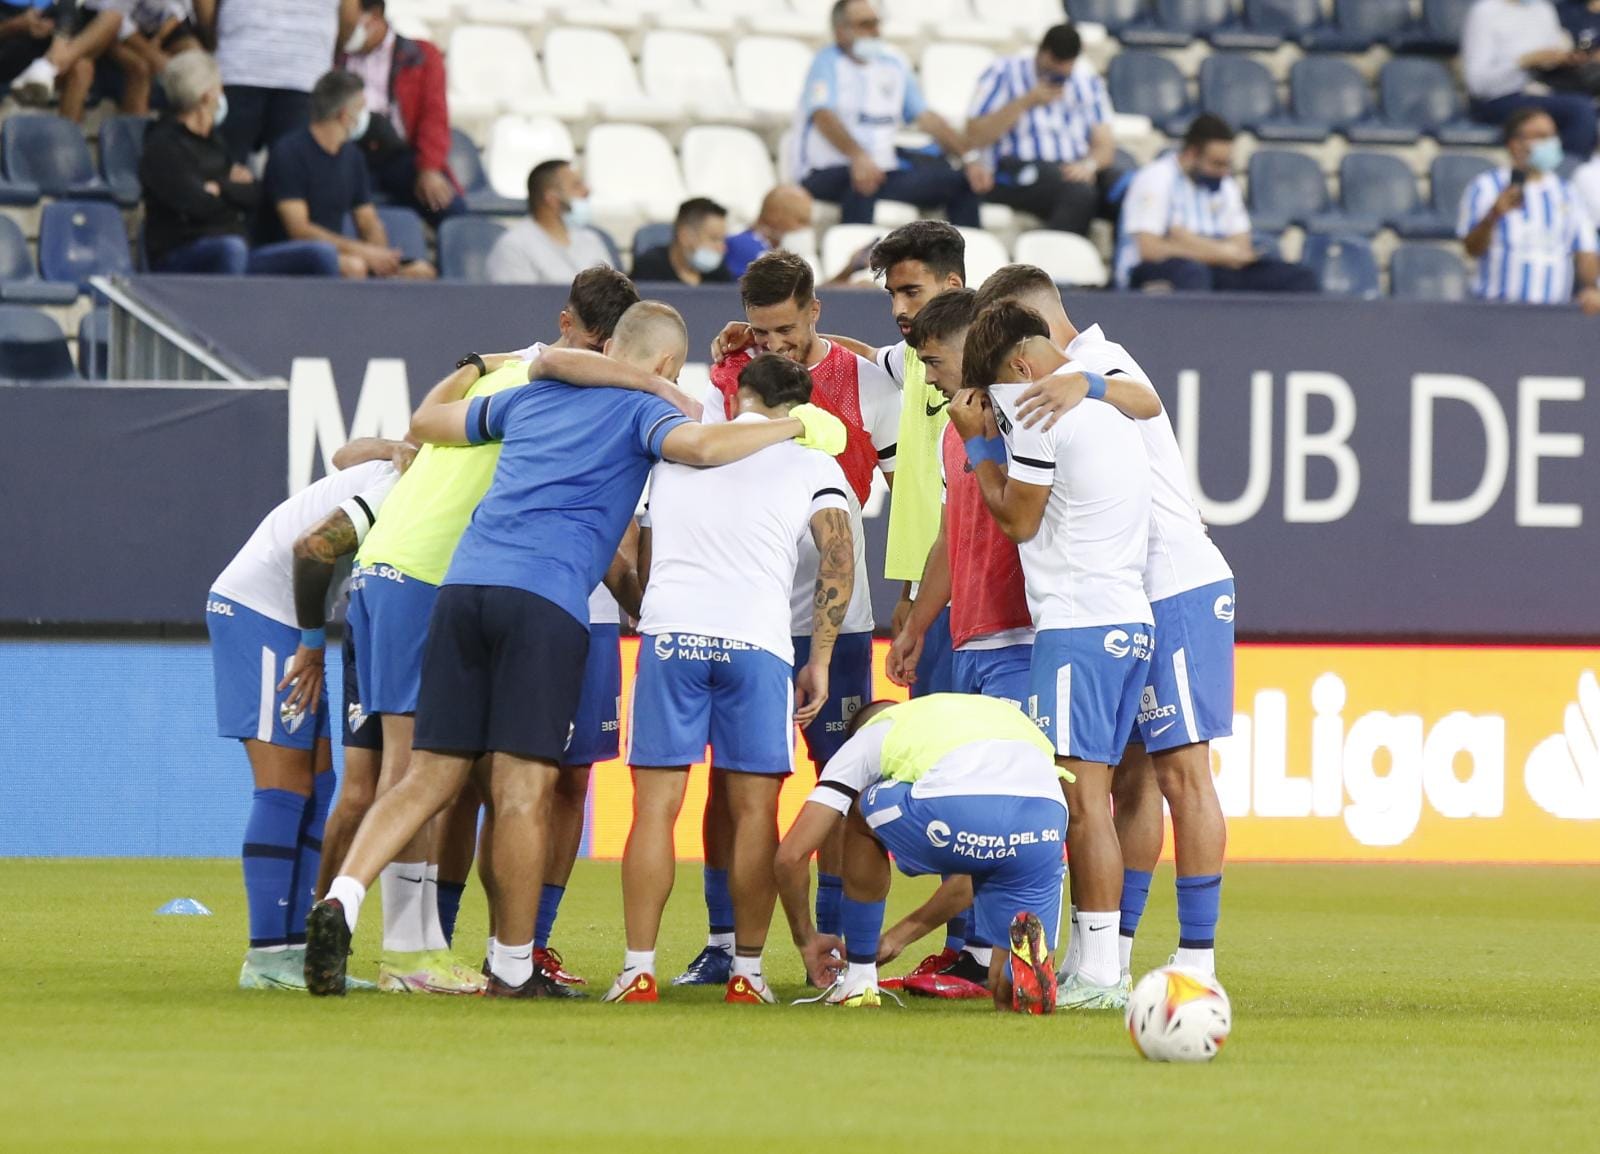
473	359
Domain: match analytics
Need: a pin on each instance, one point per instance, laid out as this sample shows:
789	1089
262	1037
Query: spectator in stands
271	53
316	176
1587	181
785	209
1527	227
858	95
1043	122
1582	19
26	30
408	145
198	203
1184	224
1511	52
699	248
129	34
555	243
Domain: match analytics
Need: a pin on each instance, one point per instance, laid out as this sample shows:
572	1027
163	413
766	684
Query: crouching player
949	784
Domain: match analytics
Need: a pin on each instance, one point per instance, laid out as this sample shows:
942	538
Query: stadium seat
121	146
1359	24
1069	258
468	167
32	347
1175	23
1242	92
1377	188
1148	84
632	173
1331	93
652	235
464	244
730	165
1440	31
82	238
689	70
1344	264
517	143
592	66
19	280
1448	178
841	243
1285	188
1267	243
1427	272
769	73
950	75
985	255
949	19
404	228
1114	15
1028	19
94	345
50	154
492	69
1268	23
1421	93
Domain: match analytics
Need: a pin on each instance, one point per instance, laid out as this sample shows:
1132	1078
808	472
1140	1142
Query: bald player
786	209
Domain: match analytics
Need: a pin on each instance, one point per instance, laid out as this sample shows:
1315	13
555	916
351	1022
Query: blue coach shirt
571	470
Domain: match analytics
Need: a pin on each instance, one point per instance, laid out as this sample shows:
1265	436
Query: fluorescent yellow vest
924	729
914	503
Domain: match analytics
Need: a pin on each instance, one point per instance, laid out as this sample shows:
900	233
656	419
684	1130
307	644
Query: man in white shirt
858	95
1185	227
717	668
1526	227
555	243
1511	50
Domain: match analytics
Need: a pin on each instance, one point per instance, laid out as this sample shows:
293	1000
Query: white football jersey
802	599
980	769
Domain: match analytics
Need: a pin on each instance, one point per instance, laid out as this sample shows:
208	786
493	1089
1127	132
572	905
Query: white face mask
363	122
866	47
221	113
705	259
357	40
577	213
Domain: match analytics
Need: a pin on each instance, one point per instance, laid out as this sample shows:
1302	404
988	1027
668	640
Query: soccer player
1076	499
508	636
270	696
1189	700
723	670
781	310
949	784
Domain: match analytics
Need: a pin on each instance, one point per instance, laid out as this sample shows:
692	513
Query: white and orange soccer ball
1178	1014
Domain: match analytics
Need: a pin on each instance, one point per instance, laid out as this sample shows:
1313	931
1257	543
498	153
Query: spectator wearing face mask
698	250
555	243
1185	228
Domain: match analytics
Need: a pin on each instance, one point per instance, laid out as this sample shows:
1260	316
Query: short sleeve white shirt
1162	197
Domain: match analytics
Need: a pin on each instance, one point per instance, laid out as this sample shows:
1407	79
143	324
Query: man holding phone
1039	135
1527	227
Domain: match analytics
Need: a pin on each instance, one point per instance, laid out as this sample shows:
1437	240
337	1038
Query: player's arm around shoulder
1046	401
442	417
588	369
1016	496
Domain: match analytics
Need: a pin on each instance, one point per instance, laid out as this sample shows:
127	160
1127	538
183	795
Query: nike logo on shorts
1163	729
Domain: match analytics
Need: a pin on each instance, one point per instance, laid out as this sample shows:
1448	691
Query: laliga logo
1562	774
1116	643
664	646
1223	608
939	833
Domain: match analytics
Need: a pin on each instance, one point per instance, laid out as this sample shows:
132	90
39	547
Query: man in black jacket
198	204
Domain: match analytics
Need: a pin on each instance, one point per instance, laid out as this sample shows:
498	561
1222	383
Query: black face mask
1209	183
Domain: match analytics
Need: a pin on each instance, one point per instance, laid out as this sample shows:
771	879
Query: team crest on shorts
664	646
355	716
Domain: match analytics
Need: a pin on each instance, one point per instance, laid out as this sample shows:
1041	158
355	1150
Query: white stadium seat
717	18
593	65
492	69
689	70
516	13
1066	256
1029	19
843	241
770	72
518	143
730	165
633	176
950	75
985	255
949	19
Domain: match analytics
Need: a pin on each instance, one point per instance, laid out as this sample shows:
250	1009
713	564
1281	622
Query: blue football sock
309	859
830	892
1199	905
549	906
449	895
862	924
271	852
955	931
719	902
1135	893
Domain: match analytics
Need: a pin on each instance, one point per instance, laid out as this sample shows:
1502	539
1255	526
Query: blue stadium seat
405	231
467	164
1377	189
19	280
1242	92
50	154
1268	23
464	244
1114	14
1267	243
1148	84
1421	93
1439	34
1285	188
1175	23
1427	272
32	347
1448	179
121	146
650	236
82	238
1359	24
94	345
1344	264
1331	93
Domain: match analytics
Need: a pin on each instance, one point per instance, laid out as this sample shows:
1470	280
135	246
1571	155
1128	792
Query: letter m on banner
316	414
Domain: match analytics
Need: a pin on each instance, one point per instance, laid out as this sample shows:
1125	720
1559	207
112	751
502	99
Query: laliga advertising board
1347	753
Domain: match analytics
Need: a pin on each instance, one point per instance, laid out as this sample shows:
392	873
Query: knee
1184	780
352	267
572	784
233	255
354	801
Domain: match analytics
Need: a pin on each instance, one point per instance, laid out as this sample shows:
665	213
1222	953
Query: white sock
983	955
349	893
747	967
402	884
1125	952
639	961
1074	945
1203	960
1097	962
861	974
513	965
488	949
723	942
432	931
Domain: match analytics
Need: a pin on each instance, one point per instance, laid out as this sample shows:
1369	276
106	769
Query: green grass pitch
1376	1009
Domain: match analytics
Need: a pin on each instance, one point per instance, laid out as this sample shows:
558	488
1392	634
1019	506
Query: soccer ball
1178	1014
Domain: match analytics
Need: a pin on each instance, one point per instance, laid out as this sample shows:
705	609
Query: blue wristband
313	638
1097	386
980	449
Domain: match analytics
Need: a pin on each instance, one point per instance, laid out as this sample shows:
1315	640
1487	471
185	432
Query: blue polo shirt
572	466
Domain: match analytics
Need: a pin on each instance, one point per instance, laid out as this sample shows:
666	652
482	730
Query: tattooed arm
836	576
315	554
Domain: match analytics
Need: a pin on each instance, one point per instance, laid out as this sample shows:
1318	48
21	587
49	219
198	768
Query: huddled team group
1066	630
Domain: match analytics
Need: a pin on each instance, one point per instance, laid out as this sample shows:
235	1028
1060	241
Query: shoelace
822	997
